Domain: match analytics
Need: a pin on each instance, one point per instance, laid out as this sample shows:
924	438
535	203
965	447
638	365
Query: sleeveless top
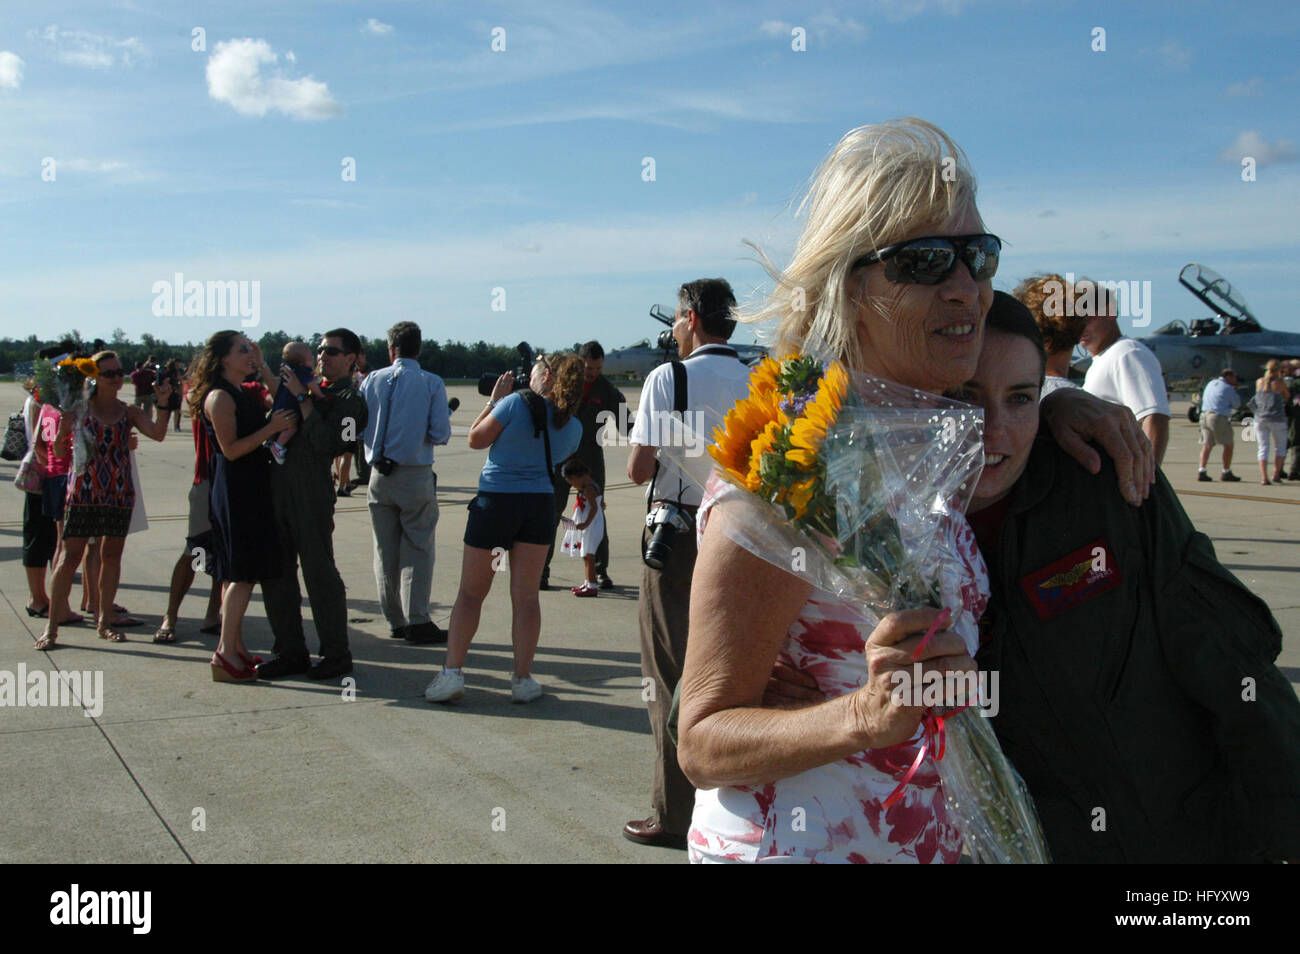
106	479
1270	407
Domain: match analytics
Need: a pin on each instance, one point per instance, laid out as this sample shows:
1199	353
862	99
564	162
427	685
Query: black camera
488	379
385	465
665	522
666	341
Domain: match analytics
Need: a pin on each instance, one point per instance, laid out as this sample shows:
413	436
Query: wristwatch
303	396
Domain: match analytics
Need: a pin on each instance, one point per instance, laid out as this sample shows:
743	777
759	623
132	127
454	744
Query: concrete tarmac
178	768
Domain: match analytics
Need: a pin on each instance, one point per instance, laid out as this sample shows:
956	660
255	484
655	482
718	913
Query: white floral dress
583	543
835	812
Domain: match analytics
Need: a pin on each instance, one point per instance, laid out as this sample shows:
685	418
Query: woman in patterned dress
101	494
810	784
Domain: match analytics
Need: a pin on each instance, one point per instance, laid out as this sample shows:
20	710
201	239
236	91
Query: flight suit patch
1076	577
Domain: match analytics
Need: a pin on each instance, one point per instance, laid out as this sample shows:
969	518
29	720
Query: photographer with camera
527	432
408	415
707	382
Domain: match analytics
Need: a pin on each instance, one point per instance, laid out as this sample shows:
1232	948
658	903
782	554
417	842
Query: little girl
586	526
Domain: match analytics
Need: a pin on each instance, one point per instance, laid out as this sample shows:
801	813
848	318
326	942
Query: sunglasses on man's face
329	350
928	261
118	373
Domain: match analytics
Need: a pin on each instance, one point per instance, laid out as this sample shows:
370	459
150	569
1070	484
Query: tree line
448	359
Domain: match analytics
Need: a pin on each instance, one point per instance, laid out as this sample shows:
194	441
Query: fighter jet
1232	339
638	360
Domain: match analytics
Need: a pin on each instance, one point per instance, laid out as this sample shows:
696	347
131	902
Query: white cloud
91	165
1249	88
827	26
90	50
235	77
11	70
376	27
899	10
1265	153
1174	55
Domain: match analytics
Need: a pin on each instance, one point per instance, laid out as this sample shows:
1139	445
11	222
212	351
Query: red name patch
1076	577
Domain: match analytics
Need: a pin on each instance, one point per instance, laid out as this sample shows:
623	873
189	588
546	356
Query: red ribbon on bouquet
933	739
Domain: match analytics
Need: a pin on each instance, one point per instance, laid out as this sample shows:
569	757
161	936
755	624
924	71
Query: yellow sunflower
88	367
800	495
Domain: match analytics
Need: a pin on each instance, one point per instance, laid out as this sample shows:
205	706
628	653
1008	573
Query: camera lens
660	547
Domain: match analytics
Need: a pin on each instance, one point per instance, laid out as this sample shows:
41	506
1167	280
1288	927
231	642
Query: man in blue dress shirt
1217	403
408	416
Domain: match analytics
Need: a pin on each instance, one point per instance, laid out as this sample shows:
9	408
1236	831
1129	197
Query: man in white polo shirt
703	387
1217	403
1124	371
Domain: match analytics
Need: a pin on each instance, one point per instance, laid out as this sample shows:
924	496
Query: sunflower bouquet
854	483
62	385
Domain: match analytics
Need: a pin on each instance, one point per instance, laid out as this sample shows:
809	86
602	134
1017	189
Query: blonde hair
881	184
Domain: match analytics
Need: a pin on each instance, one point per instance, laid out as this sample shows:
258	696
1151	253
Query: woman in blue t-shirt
514	512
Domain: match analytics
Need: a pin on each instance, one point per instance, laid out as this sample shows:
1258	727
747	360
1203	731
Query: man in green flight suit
302	494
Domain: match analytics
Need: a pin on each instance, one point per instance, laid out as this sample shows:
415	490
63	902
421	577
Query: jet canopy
1217	293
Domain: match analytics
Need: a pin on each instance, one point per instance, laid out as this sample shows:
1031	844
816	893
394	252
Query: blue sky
522	169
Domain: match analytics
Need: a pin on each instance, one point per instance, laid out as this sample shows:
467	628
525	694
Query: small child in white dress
586	528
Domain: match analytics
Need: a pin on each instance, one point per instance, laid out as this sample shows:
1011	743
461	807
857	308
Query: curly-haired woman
1044	296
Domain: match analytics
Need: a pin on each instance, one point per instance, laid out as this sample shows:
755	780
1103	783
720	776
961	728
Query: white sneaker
525	689
446	687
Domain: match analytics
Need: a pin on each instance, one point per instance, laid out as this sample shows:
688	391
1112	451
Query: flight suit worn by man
302	495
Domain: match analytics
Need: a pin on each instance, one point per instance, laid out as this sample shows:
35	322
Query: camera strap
537	410
679	408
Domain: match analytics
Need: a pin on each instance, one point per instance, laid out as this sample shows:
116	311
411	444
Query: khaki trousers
664	617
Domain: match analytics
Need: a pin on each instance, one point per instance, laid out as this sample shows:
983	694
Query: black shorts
502	520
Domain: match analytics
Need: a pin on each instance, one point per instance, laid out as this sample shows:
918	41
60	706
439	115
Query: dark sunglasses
928	261
119	373
329	350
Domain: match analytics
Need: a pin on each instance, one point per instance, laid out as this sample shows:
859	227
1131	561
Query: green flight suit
1137	677
302	496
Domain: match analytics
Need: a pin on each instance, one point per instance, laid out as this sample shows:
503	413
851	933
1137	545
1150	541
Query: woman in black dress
243	537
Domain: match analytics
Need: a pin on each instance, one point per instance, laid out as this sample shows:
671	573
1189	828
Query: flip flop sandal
38	614
213	630
164	636
73	620
46	642
112	635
